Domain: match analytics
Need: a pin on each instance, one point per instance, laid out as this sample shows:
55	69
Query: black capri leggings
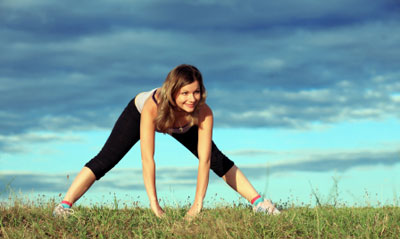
126	133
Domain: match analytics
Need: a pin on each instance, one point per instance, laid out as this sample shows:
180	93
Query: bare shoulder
204	111
150	107
205	116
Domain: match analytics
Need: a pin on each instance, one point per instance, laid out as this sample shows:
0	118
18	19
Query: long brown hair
177	78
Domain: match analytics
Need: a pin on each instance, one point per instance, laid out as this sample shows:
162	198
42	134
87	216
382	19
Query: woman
179	109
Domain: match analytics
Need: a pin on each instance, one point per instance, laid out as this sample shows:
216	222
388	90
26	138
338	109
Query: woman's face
188	97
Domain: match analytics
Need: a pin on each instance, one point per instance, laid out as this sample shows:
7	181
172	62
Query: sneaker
60	211
266	207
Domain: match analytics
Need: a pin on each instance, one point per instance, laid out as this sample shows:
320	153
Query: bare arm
147	137
204	154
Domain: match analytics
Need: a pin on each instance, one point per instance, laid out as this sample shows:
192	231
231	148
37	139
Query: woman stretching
177	108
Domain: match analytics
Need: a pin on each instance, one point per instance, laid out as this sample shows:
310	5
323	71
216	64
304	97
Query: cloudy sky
303	86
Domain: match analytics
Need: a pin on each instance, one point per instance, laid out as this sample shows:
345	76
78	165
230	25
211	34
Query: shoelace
65	210
68	210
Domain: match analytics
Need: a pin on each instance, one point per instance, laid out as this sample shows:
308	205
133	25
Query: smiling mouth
190	106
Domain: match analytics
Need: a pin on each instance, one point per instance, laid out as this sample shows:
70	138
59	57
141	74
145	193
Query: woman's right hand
157	210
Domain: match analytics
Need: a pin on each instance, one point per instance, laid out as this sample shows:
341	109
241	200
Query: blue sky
301	91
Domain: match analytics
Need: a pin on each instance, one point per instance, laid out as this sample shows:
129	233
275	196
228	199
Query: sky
305	94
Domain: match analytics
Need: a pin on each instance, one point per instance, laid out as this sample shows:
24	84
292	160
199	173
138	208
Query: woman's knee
99	166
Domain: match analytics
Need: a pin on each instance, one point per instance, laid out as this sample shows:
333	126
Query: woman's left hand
193	211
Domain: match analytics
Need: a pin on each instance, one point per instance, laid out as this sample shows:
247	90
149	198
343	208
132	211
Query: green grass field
34	220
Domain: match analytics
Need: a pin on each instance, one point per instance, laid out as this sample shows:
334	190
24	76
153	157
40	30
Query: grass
34	220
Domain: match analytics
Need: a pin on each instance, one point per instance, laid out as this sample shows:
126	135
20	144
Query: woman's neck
181	118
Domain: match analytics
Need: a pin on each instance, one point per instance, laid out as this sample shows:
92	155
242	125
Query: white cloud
24	143
271	64
396	97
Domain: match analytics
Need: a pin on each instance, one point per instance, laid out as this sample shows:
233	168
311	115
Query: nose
191	98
